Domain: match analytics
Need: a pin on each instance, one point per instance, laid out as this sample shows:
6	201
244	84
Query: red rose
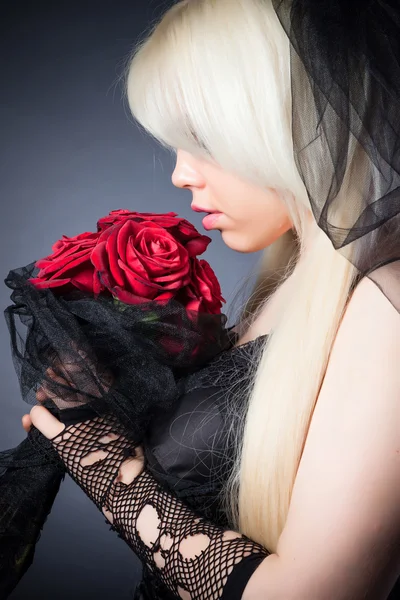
140	261
204	292
180	229
69	266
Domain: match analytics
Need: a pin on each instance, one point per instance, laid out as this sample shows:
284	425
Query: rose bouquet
107	324
136	257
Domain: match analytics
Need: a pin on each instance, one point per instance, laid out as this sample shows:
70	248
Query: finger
43	420
26	422
54	376
41	394
72	362
50	389
129	470
66	380
66	369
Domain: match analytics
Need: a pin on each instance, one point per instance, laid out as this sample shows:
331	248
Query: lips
211	218
205	210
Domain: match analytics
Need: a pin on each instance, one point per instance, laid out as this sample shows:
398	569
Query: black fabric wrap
345	84
130	361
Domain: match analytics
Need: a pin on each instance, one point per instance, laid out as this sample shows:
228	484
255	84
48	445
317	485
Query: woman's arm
341	540
193	558
342	536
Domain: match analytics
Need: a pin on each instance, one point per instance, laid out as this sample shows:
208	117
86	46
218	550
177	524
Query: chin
240	242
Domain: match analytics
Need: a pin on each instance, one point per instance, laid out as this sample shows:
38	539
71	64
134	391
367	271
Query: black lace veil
345	80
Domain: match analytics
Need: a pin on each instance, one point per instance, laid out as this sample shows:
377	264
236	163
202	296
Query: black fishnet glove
193	558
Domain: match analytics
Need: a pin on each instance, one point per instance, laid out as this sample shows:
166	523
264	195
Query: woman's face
249	217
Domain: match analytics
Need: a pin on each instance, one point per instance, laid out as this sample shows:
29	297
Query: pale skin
341	540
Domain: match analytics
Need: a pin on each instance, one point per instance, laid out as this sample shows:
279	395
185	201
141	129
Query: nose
185	174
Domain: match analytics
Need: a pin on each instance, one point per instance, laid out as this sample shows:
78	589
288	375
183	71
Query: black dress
192	451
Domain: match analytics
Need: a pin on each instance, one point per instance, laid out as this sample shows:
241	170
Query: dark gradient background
70	154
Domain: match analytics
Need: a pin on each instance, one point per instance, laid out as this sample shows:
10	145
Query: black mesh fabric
202	572
83	355
345	81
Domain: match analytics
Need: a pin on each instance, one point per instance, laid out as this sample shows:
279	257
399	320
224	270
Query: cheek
266	234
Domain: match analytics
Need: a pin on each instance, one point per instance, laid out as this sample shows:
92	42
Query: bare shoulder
370	311
368	340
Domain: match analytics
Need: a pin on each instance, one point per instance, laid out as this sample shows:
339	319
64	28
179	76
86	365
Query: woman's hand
73	445
51	427
78	444
43	420
26	422
71	373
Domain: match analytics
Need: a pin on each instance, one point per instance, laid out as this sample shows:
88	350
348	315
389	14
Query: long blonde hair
212	77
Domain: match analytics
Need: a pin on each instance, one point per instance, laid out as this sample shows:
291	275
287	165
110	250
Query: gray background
70	154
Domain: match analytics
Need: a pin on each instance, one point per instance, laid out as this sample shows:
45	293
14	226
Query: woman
284	117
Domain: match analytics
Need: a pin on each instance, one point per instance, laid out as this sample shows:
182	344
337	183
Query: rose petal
145	289
99	258
197	246
134	261
112	255
49	283
83	280
123	214
65	268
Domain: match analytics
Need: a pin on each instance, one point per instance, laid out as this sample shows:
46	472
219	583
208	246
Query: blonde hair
213	78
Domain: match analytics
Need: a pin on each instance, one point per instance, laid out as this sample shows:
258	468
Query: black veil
345	80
